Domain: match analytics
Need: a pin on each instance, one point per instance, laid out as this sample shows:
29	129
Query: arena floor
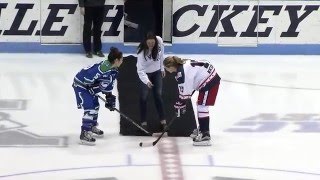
265	125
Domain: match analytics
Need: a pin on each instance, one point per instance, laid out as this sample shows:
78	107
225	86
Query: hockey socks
203	124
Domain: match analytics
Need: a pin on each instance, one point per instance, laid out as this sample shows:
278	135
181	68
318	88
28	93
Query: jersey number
208	66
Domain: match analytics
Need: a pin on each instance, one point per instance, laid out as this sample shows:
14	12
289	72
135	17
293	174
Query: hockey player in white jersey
193	76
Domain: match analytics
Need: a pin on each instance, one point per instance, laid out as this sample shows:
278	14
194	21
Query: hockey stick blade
164	131
146	144
161	135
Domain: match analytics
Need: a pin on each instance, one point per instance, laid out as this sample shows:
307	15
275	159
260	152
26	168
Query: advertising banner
246	22
54	21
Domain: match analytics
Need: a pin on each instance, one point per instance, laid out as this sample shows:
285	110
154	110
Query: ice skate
97	132
144	125
203	139
164	125
86	138
195	133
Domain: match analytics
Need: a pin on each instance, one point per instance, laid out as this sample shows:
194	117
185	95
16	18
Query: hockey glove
110	101
180	107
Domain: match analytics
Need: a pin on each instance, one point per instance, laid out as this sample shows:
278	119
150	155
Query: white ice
283	146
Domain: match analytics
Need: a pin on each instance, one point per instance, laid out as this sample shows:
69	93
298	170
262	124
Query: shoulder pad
105	66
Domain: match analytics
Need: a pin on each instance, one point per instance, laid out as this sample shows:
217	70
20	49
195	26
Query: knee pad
90	114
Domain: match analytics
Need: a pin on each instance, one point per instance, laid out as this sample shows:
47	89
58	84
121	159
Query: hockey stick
141	144
126	117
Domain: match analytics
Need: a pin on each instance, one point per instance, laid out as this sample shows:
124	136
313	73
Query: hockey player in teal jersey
89	81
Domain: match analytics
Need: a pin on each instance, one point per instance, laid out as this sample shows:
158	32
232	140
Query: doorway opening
142	16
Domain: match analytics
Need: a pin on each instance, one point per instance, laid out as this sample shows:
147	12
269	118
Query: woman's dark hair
114	54
143	45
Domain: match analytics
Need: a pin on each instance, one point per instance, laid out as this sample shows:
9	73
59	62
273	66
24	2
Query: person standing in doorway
157	6
93	12
150	70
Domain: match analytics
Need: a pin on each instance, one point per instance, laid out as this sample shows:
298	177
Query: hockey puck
140	144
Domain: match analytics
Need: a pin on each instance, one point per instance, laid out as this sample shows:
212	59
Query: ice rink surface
265	125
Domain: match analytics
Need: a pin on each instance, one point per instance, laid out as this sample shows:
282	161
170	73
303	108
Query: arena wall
199	27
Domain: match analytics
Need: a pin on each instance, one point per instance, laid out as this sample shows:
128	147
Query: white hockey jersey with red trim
194	76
